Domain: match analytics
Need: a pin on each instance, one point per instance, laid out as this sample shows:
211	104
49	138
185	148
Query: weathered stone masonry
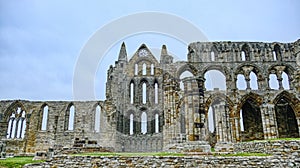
151	106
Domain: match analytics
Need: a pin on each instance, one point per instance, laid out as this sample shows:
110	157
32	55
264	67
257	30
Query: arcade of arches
226	92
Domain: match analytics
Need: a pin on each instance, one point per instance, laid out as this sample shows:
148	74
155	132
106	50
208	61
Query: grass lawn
17	161
129	154
275	139
245	154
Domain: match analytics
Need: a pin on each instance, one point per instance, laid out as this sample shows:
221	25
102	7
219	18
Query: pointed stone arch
131	91
219	96
96	116
255	97
156	90
43	117
144	90
218	109
246	50
286	116
278	53
294	101
15	121
252	123
69	117
11	109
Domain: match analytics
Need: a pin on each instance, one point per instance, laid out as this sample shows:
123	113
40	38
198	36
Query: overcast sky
40	41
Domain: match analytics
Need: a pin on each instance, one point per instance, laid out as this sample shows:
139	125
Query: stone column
247	70
169	110
201	89
137	124
265	121
189	108
298	122
272	119
268	119
235	130
2	150
279	72
224	142
219	125
228	123
150	123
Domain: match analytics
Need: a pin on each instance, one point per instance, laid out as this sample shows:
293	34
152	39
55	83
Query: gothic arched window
45	118
156	93
131	93
97	118
16	124
131	129
144	93
69	118
144	69
144	123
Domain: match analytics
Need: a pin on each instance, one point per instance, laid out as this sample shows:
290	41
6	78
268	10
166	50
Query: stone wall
169	161
282	154
56	132
146	108
139	143
277	147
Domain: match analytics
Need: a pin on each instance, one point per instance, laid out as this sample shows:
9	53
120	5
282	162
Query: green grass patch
129	154
244	154
17	161
276	139
285	139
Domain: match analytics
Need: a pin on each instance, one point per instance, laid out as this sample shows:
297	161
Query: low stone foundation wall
277	147
282	154
187	147
168	161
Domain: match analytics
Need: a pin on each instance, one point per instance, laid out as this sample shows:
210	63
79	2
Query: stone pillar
272	119
223	123
268	119
136	124
201	89
279	72
219	125
189	99
228	123
297	78
2	150
224	143
298	122
150	123
265	121
280	82
247	70
235	129
169	110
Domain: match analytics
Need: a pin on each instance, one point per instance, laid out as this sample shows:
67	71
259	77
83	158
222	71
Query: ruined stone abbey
151	106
